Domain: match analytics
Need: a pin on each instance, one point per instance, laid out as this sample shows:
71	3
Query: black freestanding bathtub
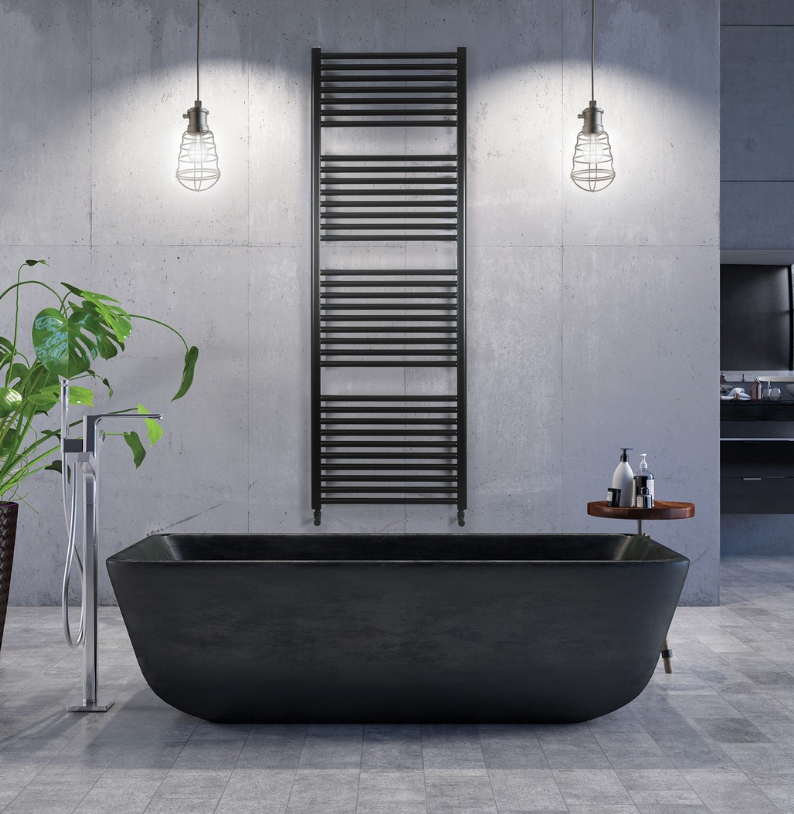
498	628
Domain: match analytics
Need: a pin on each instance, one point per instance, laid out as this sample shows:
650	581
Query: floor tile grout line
424	772
360	762
237	760
297	769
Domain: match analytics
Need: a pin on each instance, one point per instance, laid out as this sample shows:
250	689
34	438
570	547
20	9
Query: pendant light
592	158
197	166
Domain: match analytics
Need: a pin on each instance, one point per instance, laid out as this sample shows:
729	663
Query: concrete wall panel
756	12
45	93
144	80
641	331
757	215
662	116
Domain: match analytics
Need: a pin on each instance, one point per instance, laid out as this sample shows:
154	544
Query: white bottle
623	479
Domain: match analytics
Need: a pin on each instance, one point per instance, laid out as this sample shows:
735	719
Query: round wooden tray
662	510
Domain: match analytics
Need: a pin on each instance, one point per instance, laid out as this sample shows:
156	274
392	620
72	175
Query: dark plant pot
8	536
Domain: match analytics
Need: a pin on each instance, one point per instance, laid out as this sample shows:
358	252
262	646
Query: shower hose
69	494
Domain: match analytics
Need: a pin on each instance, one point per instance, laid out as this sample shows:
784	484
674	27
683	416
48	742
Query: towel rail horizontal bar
388	490
332	220
328	332
389	55
360	123
344	170
387	306
375	112
411	422
331	100
326	352
374	444
386	238
446	289
377	433
403	226
397	397
429	227
358	272
364	363
397	468
404	295
390	501
394	77
445	285
449	88
390	478
387	318
389	341
380	306
389	456
390	66
391	204
327	182
389	157
446	192
372	414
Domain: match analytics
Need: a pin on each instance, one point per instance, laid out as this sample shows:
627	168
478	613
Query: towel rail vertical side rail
316	374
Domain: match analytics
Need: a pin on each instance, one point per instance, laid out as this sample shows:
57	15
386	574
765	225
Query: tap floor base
92	707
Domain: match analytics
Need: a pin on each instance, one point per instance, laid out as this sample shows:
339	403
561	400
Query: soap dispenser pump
623	479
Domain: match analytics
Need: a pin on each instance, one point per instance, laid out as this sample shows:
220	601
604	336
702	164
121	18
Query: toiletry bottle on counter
643	499
623	480
756	390
643	483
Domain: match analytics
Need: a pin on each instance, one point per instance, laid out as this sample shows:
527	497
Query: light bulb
198	149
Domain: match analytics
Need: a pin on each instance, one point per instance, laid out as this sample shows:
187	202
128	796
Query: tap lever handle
91	421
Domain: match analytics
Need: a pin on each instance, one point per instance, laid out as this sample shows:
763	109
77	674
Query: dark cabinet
757	476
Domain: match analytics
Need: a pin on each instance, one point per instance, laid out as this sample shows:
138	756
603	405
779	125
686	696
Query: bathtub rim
669	555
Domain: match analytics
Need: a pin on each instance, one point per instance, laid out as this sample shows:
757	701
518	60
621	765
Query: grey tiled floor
717	736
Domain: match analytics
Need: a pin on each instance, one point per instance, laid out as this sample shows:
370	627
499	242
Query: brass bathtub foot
667	657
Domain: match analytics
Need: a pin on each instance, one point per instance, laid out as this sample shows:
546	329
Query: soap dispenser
623	479
644	480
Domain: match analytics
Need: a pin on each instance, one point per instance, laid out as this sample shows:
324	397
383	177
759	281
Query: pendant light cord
198	29
592	50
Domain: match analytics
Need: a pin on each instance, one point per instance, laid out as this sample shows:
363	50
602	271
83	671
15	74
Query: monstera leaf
154	429
6	350
66	346
10	399
48	397
191	357
111	312
134	443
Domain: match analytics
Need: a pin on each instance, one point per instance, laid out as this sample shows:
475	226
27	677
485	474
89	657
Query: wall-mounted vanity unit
757	339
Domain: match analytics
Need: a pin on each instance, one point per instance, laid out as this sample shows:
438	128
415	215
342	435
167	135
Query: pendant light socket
593	117
197	118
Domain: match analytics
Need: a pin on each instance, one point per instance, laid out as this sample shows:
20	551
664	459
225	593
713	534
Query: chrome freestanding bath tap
85	452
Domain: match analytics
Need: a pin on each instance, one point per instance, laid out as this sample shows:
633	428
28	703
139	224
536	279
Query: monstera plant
78	330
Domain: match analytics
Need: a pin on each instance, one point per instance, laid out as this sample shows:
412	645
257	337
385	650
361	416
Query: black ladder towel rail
388	449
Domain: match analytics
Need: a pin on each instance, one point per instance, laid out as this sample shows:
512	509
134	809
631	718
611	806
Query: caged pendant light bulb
592	158
197	166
